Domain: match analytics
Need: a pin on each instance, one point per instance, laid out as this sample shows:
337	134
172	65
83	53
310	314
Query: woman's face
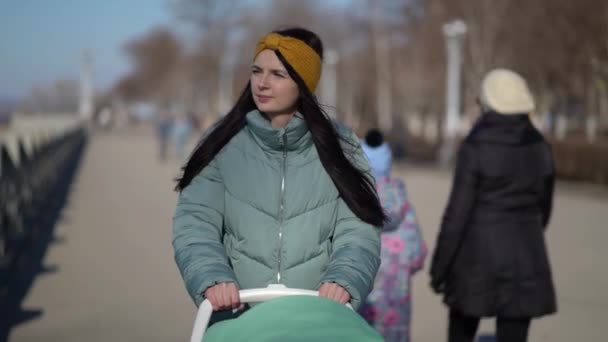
274	91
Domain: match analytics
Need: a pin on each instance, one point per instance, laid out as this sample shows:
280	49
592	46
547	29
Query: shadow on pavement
30	263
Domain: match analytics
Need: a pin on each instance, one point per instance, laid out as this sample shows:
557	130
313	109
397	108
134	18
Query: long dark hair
356	188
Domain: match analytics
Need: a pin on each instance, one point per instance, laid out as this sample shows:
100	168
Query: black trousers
463	328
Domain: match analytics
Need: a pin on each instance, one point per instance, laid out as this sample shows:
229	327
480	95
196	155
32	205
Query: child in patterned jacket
388	307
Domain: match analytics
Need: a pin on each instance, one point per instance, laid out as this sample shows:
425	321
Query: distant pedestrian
164	124
182	128
490	259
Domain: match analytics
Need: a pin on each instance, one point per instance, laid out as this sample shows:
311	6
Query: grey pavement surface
116	280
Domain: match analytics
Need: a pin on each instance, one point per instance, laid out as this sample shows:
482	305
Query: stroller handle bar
246	296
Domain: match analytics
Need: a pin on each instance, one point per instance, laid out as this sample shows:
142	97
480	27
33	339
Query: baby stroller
285	315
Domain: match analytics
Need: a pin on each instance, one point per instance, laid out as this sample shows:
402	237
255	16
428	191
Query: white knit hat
506	92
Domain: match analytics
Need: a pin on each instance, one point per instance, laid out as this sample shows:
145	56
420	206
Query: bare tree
559	45
155	58
204	14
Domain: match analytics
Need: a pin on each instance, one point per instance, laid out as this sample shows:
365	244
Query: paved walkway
115	279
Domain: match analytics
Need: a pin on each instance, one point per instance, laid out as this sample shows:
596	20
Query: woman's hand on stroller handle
224	296
250	296
334	292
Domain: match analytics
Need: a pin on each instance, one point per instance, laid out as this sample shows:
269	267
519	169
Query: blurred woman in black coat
490	259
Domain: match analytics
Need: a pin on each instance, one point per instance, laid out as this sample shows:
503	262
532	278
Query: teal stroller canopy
295	318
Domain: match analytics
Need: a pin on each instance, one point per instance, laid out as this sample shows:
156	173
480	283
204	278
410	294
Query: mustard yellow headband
304	59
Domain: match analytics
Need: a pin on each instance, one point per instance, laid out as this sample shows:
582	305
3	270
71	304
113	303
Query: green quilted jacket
265	211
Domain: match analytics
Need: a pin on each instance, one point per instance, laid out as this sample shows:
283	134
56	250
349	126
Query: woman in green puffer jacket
277	192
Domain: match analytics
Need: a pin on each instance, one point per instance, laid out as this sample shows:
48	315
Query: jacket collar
504	129
294	136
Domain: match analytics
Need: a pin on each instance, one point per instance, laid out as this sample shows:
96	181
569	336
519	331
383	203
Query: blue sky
41	40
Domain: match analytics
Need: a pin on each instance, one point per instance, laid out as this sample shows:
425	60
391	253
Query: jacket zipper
282	206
